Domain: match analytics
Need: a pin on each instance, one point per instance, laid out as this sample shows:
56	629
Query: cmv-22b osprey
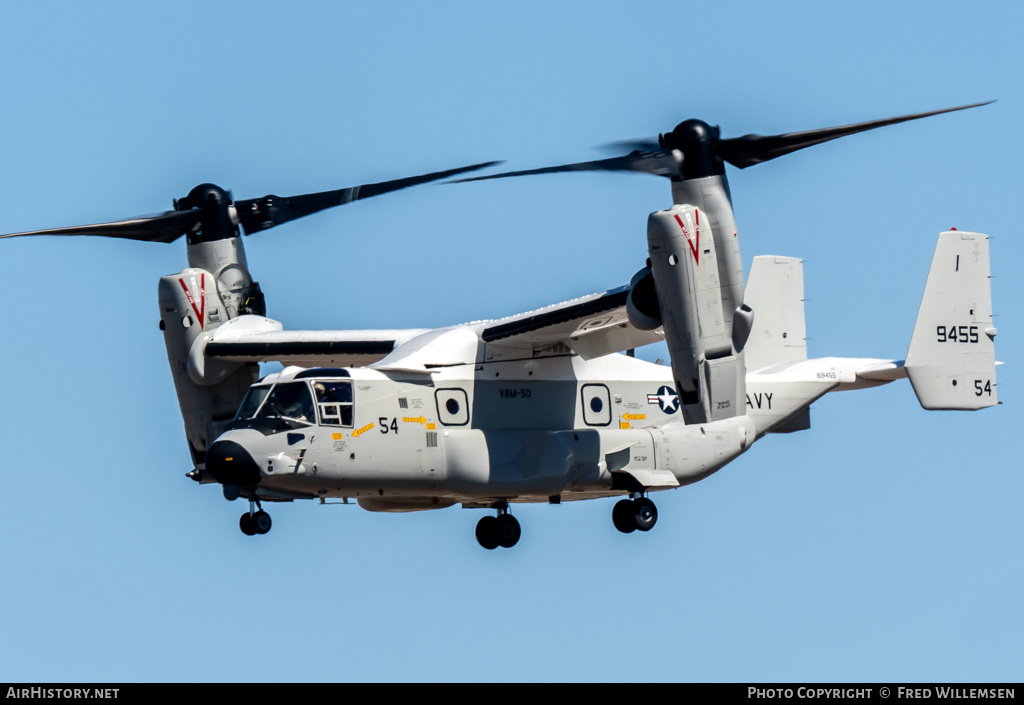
542	406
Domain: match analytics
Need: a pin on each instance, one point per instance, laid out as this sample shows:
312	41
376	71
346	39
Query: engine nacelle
215	289
698	314
642	303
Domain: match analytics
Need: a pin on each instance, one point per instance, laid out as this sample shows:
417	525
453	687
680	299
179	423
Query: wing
590	326
258	339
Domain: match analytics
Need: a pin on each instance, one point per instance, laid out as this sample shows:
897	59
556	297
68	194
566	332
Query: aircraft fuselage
532	430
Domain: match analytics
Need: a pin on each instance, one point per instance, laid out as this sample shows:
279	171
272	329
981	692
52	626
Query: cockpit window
252	402
290	400
334	399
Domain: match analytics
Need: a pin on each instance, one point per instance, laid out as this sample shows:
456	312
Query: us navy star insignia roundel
666	398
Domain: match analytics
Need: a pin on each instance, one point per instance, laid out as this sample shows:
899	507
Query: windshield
290	400
252	402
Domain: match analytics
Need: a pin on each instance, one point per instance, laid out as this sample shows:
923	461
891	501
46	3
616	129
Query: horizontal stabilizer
951	362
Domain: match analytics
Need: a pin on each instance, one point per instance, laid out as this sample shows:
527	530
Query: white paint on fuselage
519	430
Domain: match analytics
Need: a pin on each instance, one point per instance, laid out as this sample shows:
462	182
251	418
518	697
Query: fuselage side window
334	399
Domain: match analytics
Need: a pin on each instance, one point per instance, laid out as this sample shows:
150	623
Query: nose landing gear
502	530
254	522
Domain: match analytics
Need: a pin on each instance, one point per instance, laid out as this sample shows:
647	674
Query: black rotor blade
639	145
754	149
654	162
165	227
258	214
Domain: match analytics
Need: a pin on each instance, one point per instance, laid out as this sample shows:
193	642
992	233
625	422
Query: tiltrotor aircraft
542	406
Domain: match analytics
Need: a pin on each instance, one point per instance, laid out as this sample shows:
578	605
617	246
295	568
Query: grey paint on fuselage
529	434
526	434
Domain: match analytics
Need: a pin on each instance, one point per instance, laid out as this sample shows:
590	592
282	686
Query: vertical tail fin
775	292
951	360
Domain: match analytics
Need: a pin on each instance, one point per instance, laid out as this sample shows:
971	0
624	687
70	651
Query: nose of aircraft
231	464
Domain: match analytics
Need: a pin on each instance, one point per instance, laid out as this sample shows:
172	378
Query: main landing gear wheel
645	514
502	530
631	515
487	532
509	531
622	516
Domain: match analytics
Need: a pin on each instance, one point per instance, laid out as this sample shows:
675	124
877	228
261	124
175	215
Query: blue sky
884	544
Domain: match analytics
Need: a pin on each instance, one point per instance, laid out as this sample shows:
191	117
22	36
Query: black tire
508	531
247	525
261	522
645	514
487	532
623	516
